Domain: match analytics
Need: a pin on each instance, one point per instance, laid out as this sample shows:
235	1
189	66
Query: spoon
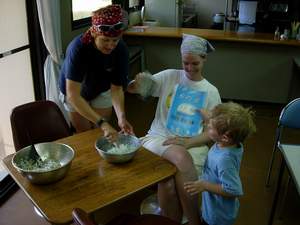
33	154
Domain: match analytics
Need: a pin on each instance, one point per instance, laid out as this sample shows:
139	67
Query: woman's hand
125	127
109	132
176	141
194	187
134	86
142	84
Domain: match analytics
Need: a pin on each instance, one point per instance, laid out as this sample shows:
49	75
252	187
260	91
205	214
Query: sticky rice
121	149
39	165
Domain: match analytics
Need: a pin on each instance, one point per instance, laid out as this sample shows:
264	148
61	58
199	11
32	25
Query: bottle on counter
277	34
285	35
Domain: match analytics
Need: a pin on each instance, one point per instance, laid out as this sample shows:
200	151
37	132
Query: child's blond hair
233	120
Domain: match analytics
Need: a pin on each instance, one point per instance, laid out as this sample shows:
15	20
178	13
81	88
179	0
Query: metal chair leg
284	196
270	167
277	190
277	138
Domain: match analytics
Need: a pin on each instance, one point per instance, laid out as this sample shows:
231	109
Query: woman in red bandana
94	72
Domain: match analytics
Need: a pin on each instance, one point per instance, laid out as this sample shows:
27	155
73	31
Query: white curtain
49	17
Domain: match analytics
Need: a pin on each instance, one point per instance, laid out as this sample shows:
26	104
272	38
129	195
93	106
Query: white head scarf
195	45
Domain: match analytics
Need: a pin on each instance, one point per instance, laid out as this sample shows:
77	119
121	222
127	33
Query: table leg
275	200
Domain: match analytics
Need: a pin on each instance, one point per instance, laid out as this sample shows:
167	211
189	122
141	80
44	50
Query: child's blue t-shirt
222	167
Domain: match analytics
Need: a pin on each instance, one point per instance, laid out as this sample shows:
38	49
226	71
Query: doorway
21	59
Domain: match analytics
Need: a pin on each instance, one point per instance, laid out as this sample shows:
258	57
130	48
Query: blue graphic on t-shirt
184	119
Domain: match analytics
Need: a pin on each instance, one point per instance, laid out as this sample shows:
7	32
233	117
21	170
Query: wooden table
290	159
91	183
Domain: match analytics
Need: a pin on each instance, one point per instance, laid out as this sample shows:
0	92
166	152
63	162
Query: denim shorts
103	100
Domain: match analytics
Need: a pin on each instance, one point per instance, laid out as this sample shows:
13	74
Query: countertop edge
213	35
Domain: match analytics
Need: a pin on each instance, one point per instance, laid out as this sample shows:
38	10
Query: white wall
15	69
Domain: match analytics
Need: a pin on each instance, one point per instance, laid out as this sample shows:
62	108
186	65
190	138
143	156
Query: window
82	11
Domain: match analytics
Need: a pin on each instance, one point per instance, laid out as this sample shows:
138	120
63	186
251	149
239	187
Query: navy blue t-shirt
95	71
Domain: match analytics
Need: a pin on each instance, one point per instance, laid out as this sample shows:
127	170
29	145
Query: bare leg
185	172
168	200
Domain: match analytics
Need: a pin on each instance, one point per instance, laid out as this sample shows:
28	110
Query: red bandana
109	15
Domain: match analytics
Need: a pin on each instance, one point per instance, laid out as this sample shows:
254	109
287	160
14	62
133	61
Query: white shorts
103	100
154	144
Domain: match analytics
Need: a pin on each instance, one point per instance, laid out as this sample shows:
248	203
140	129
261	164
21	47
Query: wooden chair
44	122
80	217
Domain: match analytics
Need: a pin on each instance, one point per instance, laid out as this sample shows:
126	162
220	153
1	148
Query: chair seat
146	219
150	206
80	217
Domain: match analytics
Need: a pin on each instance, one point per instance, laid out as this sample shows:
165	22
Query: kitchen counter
210	34
245	66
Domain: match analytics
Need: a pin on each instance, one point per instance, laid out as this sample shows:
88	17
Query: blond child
228	125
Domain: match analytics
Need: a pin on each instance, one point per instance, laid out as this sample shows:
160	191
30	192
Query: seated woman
180	151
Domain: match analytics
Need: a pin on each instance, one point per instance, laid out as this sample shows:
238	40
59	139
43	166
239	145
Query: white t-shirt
165	82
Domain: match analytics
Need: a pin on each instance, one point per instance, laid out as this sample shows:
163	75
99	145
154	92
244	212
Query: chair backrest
40	121
290	115
80	217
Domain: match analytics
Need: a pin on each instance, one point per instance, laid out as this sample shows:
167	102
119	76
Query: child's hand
194	187
204	113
